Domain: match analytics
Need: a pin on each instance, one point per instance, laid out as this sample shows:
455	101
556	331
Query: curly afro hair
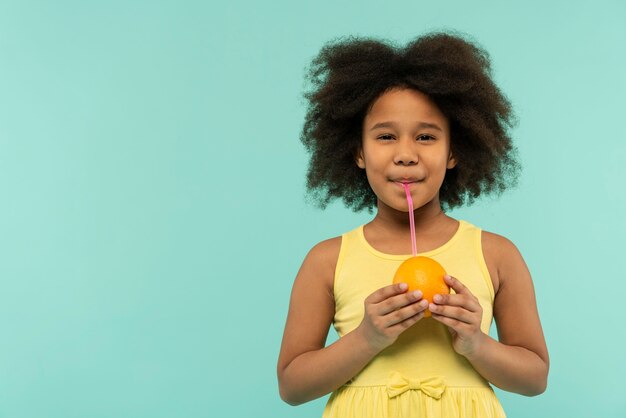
349	74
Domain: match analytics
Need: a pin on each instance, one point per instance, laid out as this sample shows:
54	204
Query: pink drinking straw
411	220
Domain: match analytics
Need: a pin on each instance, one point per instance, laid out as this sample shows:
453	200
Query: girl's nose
405	155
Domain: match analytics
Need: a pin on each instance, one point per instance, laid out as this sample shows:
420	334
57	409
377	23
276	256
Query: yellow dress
420	375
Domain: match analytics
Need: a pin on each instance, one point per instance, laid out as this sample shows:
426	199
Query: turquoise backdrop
152	207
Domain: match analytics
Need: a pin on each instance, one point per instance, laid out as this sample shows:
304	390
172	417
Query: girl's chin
394	206
402	206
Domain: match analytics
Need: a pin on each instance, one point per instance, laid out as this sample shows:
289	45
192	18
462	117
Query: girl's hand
462	313
388	312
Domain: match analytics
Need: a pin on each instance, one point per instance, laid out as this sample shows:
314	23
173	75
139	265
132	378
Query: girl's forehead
402	104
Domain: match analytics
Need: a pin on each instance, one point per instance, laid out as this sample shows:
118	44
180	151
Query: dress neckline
462	225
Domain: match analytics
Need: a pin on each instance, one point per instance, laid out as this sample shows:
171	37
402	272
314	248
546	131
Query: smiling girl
427	115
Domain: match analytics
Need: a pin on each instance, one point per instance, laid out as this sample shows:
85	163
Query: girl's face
406	139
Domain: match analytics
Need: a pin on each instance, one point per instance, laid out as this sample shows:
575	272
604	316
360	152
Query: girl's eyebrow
420	125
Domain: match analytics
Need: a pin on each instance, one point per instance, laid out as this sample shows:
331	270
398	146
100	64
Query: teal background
152	207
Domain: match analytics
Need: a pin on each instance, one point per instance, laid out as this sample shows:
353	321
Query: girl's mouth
401	184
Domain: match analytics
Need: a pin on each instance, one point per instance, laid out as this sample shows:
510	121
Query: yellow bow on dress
398	384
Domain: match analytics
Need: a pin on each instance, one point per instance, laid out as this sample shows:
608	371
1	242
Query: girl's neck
426	218
390	230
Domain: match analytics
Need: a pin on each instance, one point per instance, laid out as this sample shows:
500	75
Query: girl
427	115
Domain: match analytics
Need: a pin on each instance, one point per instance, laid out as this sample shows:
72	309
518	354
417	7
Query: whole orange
425	274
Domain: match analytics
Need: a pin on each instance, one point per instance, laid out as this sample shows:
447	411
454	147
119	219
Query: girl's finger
466	301
454	312
456	285
401	315
386	292
406	324
396	302
455	324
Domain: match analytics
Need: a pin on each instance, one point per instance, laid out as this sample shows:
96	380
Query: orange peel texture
425	274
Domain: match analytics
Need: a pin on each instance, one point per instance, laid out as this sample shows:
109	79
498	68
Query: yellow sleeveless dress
420	375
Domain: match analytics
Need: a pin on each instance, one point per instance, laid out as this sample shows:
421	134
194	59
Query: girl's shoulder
501	256
497	245
322	258
326	252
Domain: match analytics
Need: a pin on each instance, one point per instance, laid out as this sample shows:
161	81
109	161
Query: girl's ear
451	161
358	158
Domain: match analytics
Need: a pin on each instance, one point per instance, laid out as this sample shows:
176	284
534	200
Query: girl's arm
518	362
306	369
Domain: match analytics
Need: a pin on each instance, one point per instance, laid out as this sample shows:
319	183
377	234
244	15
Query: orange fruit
425	274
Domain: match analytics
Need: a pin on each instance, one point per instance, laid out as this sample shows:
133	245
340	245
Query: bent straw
411	220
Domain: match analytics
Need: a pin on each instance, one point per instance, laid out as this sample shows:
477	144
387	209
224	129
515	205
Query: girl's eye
423	137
